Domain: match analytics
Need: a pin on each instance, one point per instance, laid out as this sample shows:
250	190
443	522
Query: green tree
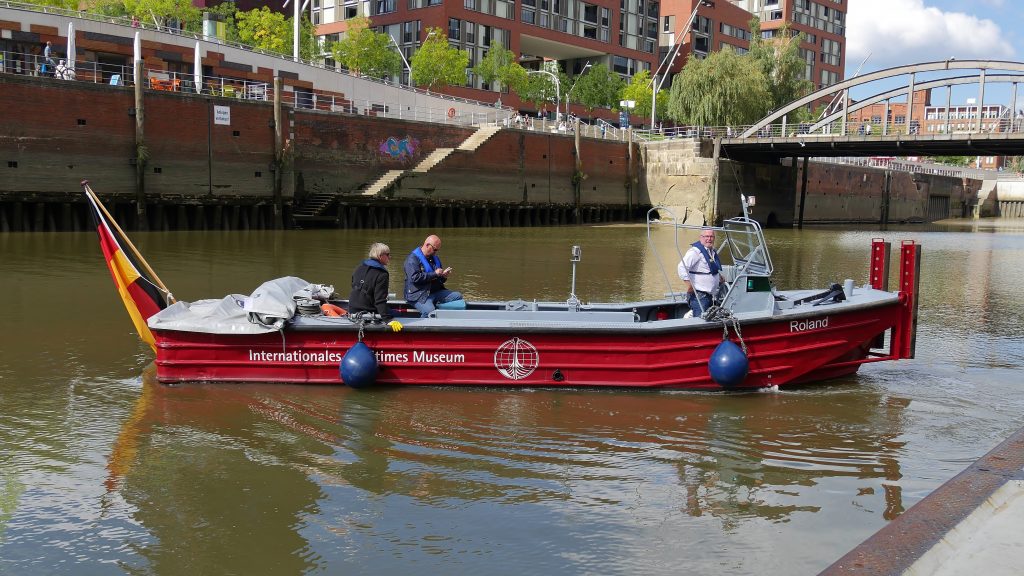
954	160
499	68
722	89
517	79
437	63
536	88
598	87
364	51
272	31
261	28
783	68
163	12
66	4
639	90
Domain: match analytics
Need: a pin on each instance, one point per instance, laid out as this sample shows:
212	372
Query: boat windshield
744	241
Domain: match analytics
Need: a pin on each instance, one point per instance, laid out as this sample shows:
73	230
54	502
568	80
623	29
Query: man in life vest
425	277
700	270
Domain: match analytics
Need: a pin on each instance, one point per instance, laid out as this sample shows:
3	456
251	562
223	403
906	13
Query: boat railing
743	245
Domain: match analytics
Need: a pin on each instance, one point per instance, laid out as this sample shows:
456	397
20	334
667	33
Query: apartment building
721	23
628	36
622	34
823	23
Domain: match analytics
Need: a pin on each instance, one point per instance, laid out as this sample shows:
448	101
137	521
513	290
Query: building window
620	65
528	16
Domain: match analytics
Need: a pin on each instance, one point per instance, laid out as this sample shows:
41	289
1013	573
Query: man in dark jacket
425	277
370	284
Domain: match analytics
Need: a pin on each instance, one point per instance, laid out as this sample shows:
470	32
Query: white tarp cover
272	302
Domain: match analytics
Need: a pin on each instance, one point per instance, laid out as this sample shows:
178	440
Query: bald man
425	277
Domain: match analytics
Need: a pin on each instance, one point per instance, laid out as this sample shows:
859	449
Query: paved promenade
973	524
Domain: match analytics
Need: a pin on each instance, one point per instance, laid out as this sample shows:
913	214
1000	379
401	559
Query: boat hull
784	350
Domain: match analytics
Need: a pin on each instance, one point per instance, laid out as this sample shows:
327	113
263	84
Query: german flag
141	291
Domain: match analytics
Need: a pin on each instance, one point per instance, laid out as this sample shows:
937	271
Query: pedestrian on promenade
47	69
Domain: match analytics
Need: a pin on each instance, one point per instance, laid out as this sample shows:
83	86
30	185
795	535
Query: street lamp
298	10
558	97
577	79
404	61
670	56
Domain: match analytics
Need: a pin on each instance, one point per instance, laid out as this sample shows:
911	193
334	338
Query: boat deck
667	314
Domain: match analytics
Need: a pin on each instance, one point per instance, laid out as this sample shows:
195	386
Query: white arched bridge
892	122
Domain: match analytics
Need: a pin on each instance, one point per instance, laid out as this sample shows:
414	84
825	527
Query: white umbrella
197	71
137	55
71	46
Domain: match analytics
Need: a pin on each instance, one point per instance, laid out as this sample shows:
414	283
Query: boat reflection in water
299	477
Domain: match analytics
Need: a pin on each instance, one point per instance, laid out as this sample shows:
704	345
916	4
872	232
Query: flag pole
135	251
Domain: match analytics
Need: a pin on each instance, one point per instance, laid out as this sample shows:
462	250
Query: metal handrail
127	22
183	82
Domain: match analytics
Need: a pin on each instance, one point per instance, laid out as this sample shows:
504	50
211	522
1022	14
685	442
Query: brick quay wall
200	174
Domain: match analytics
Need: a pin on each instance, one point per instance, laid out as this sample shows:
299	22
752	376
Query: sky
891	33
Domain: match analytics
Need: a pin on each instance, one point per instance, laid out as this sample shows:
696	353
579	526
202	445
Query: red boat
756	336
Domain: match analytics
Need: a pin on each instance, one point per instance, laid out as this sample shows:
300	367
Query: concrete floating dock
969	525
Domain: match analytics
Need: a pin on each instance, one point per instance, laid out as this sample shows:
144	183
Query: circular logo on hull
516	359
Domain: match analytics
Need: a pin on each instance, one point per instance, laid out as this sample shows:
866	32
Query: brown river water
104	471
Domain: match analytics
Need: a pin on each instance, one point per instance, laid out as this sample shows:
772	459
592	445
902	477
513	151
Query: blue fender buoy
358	367
728	364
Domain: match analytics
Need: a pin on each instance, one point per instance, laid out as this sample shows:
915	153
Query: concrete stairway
314	205
383	183
481	135
433	159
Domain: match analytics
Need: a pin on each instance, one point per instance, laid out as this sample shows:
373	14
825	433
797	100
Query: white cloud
898	32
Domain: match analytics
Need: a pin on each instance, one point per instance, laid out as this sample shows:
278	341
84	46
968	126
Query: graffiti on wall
404	149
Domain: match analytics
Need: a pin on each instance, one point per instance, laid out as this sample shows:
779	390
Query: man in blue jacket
425	277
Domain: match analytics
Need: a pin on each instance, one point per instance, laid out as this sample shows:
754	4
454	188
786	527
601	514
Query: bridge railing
119	75
1002	124
903	165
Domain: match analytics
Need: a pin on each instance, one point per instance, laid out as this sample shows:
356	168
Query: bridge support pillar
803	195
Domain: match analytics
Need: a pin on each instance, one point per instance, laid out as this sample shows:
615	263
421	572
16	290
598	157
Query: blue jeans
441	296
705	301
